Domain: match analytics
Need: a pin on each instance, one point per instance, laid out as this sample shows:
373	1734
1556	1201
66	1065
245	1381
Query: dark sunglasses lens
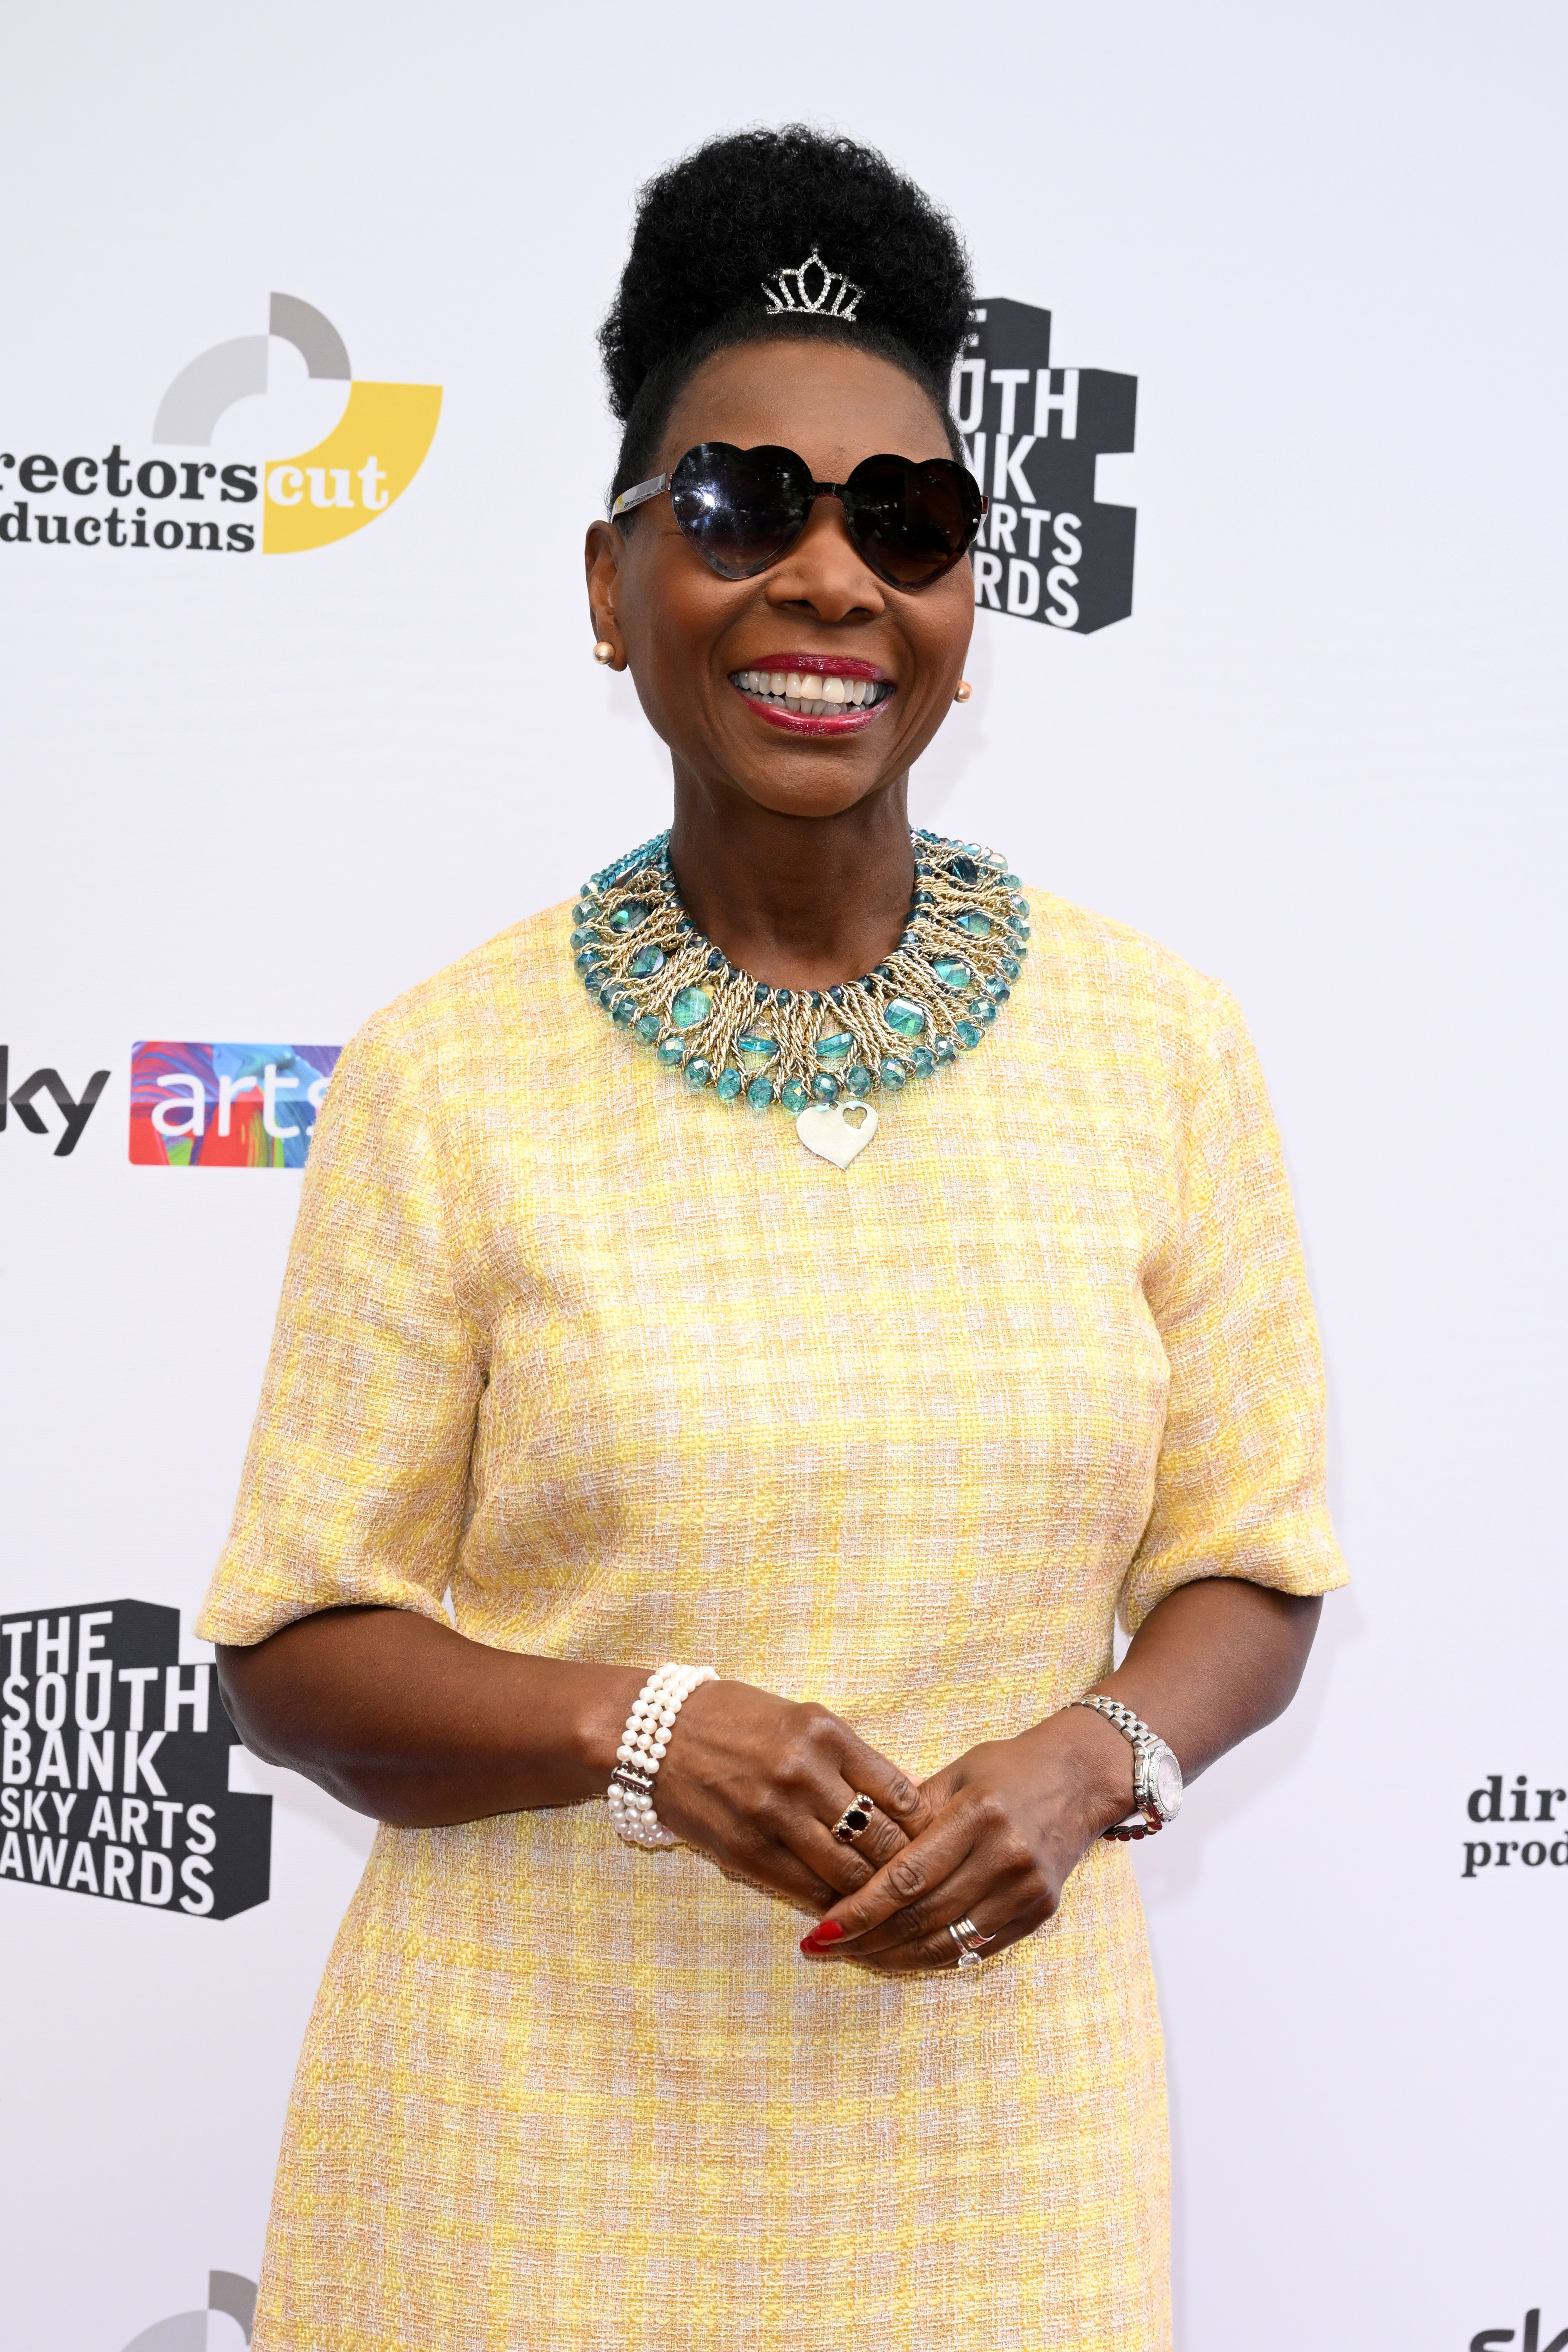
740	507
910	522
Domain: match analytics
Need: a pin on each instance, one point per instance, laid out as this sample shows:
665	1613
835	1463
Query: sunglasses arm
639	495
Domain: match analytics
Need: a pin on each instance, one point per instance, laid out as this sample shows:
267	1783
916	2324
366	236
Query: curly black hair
713	226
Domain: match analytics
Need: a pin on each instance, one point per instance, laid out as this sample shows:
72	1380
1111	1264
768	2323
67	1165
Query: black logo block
114	1766
1047	550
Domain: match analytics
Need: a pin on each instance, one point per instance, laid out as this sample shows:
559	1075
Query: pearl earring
604	651
964	691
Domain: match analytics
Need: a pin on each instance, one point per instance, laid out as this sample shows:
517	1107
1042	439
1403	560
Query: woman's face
689	635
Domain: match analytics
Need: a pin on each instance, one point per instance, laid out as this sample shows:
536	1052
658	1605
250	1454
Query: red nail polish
827	1931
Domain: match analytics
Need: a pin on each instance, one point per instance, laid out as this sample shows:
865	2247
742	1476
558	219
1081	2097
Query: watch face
1168	1785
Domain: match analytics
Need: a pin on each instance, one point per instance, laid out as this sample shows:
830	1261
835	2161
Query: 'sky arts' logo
1048	551
1490	2339
114	1766
74	1111
364	463
225	1106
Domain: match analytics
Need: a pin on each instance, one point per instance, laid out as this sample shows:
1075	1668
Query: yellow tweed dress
639	1378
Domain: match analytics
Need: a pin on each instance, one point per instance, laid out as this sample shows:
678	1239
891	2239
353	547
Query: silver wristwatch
1156	1775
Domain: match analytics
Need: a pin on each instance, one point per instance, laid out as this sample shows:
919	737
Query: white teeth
806	689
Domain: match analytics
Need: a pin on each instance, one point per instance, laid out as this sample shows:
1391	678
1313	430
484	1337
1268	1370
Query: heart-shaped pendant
837	1131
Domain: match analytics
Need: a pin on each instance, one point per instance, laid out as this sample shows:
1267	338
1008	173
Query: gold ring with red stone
855	1818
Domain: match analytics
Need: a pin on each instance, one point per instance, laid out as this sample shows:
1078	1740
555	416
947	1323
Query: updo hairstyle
712	227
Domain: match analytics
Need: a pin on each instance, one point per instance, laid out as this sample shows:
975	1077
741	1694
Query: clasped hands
758	1781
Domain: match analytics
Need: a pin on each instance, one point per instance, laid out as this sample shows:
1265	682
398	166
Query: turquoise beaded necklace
962	946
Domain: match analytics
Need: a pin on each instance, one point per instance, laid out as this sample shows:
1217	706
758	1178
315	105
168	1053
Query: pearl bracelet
641	1752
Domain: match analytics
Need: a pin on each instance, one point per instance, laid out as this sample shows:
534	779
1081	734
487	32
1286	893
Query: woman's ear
601	558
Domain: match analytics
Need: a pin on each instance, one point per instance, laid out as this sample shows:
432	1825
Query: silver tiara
818	306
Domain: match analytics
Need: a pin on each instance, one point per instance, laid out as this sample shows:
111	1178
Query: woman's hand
1218	1659
758	1781
1010	1820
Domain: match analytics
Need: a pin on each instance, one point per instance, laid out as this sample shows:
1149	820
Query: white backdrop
255	799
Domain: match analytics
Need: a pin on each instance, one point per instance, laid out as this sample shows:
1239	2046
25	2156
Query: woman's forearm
406	1720
403	1718
1212	1664
1215	1663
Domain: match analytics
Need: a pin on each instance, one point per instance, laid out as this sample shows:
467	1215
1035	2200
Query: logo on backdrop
74	1111
1543	1837
225	1106
228	2294
114	1766
366	461
1528	2341
1048	549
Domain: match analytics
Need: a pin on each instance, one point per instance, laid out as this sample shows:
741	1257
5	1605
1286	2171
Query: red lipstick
822	664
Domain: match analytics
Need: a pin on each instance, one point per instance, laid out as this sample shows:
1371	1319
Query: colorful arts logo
352	476
225	1106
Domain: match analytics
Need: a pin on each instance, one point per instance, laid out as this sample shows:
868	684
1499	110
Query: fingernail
827	1931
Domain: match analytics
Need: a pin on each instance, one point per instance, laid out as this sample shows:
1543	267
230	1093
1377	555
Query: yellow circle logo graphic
366	461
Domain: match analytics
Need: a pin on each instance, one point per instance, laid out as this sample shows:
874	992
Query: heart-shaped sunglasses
744	509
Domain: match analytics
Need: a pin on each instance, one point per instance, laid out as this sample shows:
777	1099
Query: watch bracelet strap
1133	1725
1143	1821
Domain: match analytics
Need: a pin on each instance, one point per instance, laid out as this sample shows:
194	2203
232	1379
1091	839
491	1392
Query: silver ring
855	1818
961	1931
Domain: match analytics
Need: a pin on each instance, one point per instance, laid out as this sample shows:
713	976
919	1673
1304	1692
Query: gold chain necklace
818	1054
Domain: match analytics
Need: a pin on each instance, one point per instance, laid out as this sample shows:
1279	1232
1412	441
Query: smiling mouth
811	693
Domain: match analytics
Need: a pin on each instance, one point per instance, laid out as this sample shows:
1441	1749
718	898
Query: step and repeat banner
299	430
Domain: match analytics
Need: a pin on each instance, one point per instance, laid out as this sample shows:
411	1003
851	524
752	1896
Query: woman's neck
797	901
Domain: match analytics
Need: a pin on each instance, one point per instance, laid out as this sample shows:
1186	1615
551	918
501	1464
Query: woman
883	1429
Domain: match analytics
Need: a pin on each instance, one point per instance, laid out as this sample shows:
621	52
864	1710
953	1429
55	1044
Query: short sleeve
1239	1488
355	1483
